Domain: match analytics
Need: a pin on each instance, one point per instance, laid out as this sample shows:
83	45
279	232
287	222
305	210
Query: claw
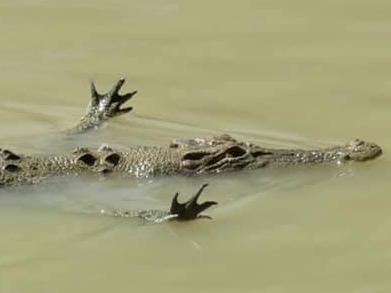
116	88
94	94
126	97
190	210
119	100
124	110
111	102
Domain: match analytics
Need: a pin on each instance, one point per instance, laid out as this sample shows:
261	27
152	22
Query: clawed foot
190	210
103	107
187	211
109	105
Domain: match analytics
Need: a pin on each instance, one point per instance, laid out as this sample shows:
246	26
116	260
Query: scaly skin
183	156
191	157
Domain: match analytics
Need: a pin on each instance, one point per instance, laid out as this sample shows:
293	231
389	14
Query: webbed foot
190	210
109	105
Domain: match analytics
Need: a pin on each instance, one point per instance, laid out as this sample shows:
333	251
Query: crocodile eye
235	151
194	156
113	159
12	168
87	159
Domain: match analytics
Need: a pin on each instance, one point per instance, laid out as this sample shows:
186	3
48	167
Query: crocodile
187	157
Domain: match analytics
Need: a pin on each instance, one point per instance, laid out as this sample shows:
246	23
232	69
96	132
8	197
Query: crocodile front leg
190	210
103	107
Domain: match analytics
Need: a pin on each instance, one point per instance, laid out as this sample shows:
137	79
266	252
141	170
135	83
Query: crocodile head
216	154
360	150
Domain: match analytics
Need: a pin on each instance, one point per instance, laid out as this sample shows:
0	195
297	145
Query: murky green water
278	73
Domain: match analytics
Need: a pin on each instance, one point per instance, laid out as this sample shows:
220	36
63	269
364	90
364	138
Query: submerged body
182	156
191	157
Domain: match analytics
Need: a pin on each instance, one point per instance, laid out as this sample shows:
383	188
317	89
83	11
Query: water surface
277	73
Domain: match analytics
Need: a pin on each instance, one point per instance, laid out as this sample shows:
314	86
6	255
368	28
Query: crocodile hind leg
103	107
189	210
